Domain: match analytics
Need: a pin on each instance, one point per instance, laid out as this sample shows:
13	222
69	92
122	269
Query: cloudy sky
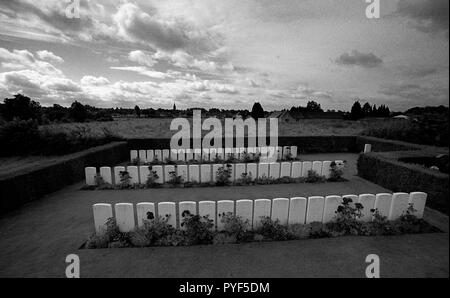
227	53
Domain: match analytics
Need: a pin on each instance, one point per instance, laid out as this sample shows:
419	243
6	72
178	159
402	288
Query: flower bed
196	230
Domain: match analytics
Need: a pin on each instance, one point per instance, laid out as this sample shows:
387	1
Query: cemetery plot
229	221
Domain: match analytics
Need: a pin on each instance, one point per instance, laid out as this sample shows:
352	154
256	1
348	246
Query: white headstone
182	170
144	211
285	169
124	217
262	209
230	166
223	207
286	151
205	173
167	170
331	205
198	154
133	155
159	172
220	154
274	170
306	167
244	209
263	170
317	167
90	173
354	199
173	154
228	153
294	151
102	212
117	171
183	208
165	155
383	202
239	170
297	210
399	205
314	211
181	155
150	155
205	154
280	210
252	170
194	173
264	152
272	154
368	202
143	156
212	154
189	154
279	152
168	210
296	169
326	167
134	174
418	201
367	148
144	171
207	208
158	155
215	168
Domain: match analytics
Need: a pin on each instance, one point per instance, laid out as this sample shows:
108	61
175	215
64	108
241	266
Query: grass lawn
160	127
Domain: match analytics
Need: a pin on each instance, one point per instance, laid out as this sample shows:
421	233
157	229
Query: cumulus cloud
134	24
356	58
427	15
94	81
24	59
141	58
49	56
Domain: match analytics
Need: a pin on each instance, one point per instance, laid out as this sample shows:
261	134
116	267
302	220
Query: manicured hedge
18	189
399	176
381	145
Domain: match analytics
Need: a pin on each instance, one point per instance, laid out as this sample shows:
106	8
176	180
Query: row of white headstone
298	210
210	154
205	173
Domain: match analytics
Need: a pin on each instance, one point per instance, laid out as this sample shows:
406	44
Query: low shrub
223	175
235	226
335	173
273	230
314	177
174	179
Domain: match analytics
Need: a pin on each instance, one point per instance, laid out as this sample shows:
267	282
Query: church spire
174	106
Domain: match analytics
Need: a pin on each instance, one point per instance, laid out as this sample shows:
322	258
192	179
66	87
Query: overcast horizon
226	54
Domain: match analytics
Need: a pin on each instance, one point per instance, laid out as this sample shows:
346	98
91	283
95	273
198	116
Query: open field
160	127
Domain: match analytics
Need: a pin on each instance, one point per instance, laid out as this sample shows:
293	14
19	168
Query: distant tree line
357	111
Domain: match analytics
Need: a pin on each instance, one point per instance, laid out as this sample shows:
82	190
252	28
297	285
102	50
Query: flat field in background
160	127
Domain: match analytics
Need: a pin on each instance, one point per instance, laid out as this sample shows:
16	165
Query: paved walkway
35	240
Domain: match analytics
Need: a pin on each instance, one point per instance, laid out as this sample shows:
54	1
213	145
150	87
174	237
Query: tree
78	112
257	111
21	107
367	110
137	110
356	112
314	107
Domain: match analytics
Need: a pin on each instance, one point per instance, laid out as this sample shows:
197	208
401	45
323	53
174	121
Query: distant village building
283	116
